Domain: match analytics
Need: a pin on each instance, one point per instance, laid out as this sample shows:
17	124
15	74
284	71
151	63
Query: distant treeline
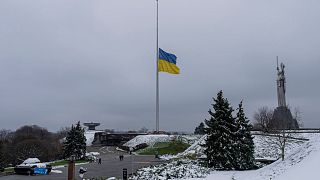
29	141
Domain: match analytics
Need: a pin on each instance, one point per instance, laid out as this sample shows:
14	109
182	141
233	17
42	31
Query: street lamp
130	152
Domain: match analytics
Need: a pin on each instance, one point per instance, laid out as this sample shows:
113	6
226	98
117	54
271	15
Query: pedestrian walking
121	157
99	160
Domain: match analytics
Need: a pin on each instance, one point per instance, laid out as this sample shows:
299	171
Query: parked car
32	166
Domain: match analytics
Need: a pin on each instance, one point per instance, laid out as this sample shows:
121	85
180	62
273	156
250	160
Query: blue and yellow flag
167	62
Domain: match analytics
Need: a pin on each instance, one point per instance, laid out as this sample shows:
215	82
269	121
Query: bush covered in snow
173	170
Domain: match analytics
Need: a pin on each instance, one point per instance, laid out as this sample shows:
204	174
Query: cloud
64	61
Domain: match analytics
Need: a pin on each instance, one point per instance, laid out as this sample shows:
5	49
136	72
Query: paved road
111	167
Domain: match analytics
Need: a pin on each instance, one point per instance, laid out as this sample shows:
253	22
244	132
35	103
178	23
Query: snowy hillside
308	167
298	163
154	138
302	162
195	148
265	147
148	139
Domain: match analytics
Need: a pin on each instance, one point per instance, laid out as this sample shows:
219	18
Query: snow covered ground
308	168
151	139
90	136
302	161
173	170
266	147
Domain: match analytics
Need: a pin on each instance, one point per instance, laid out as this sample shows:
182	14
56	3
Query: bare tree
282	138
31	148
5	139
265	121
28	141
283	134
63	131
5	135
263	118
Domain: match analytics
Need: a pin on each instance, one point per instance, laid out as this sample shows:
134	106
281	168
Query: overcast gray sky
67	60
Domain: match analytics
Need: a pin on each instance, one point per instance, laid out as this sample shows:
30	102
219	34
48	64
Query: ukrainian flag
167	62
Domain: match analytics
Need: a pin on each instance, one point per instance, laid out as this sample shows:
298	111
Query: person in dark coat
99	160
121	157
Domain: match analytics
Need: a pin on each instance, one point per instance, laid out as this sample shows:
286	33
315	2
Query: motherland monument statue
282	117
281	87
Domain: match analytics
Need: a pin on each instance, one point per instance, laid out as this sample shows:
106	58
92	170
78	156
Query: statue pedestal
282	119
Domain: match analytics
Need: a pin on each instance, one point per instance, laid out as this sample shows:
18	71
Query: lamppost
71	168
130	152
131	165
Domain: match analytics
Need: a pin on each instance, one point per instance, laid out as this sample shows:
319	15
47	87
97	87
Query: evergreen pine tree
199	129
220	130
244	141
75	143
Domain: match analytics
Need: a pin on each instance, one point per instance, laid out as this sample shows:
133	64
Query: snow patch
56	171
31	161
90	136
148	139
111	178
93	154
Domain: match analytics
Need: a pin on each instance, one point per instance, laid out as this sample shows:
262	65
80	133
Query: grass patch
65	162
161	148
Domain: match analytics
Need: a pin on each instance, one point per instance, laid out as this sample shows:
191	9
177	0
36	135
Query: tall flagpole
157	75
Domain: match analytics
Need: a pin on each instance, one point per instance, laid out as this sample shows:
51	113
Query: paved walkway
111	167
